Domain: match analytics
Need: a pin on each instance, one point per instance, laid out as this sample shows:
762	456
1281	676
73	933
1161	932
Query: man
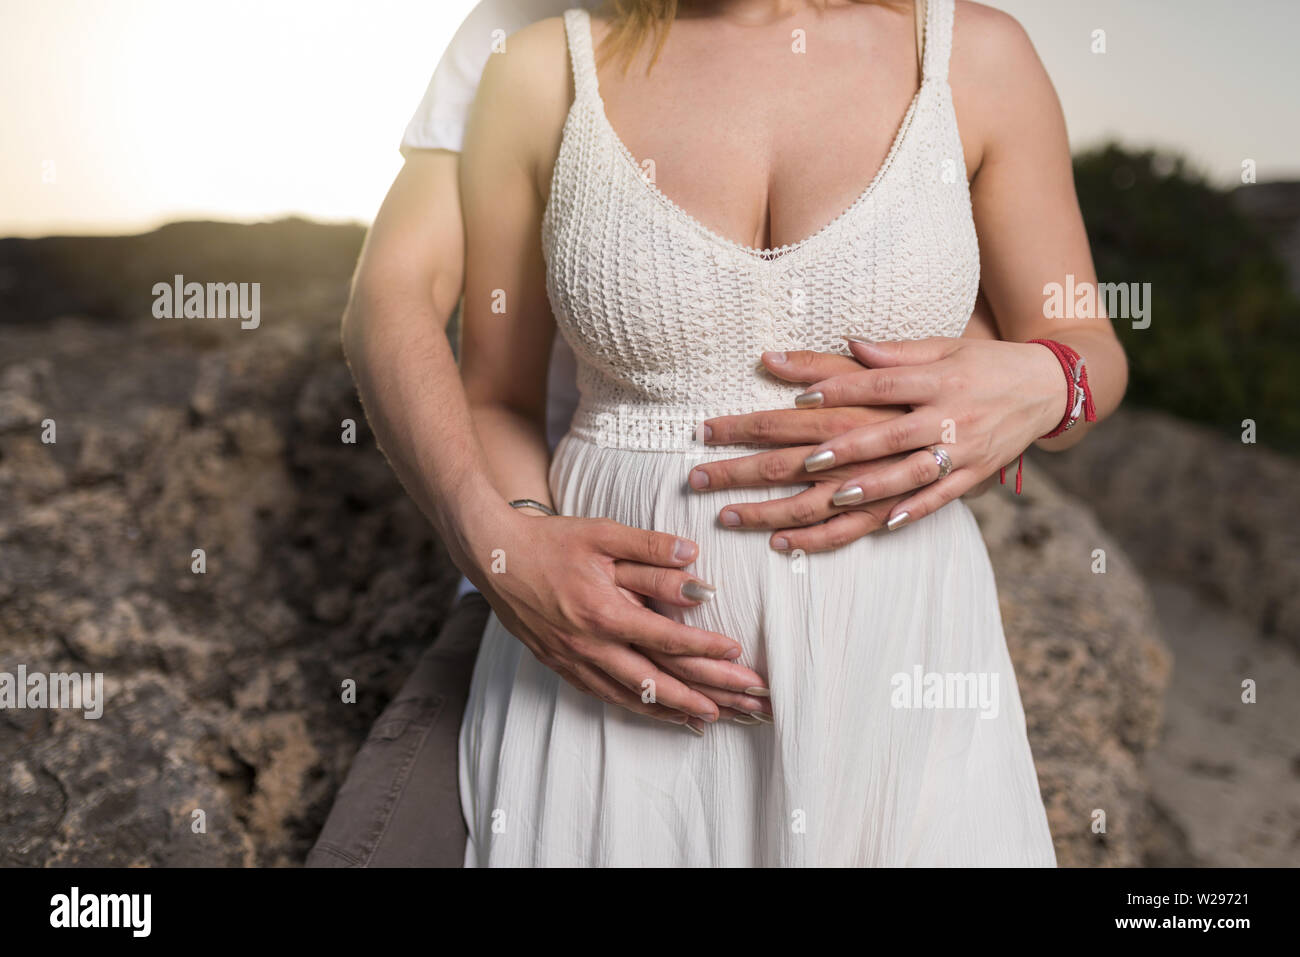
400	803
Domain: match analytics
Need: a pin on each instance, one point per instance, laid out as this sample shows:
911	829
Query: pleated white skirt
898	735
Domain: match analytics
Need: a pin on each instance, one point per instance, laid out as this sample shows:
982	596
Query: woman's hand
981	402
808	520
571	590
799	516
705	675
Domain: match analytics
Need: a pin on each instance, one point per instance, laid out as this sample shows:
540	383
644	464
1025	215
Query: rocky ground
1226	773
1214	526
1198	506
224	689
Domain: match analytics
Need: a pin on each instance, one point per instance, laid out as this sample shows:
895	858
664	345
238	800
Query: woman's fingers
906	433
745	704
740	717
898	478
659	696
710	671
668	585
841	530
639	675
907	352
591	681
761	470
908	385
932	498
790	426
805	366
806	508
811	505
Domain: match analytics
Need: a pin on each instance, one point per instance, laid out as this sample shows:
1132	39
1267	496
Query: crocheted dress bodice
668	319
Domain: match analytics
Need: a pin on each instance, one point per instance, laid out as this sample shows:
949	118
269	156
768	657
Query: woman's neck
749	12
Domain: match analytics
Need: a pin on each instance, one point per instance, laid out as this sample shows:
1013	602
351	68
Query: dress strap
918	9
577	25
937	42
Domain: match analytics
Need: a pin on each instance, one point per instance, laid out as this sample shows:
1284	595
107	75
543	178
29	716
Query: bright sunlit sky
145	111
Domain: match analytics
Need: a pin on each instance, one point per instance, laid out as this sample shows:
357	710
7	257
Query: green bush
1225	327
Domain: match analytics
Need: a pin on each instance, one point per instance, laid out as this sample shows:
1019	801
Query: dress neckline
775	254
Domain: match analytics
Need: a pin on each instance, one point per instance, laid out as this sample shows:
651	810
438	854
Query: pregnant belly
646	489
888	587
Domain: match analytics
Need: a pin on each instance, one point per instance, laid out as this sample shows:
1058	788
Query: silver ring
941	458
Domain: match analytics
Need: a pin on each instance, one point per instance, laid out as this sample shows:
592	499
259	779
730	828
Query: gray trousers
400	803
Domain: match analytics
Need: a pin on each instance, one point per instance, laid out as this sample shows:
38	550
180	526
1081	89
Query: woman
893	733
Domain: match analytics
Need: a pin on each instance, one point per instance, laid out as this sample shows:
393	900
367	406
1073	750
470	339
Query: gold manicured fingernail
897	522
694	730
698	591
809	400
848	496
865	342
741	719
703	432
758	692
819	461
759	716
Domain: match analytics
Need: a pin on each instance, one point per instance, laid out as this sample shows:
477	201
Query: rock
18	412
223	688
1198	506
1090	664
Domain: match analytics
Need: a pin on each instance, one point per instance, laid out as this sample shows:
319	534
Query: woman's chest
762	154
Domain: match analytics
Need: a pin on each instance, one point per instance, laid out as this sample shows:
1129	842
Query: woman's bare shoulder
987	40
532	63
999	85
526	89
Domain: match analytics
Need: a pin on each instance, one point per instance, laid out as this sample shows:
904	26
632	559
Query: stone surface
1226	773
1199	506
224	689
1090	664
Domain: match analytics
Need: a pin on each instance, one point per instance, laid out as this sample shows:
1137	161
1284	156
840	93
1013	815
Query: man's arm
406	285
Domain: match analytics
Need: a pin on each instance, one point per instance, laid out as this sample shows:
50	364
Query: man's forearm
515	449
409	385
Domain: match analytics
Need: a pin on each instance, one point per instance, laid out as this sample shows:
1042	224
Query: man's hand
573	592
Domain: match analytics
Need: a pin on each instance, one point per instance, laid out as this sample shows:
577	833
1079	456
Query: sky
119	115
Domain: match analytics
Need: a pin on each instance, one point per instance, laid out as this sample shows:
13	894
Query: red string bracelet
1078	400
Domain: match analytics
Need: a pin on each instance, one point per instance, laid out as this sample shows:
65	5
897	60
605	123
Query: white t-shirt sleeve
439	122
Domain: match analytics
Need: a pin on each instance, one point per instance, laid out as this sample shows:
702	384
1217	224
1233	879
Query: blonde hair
633	22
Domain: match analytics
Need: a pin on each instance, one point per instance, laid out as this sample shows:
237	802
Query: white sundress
898	736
